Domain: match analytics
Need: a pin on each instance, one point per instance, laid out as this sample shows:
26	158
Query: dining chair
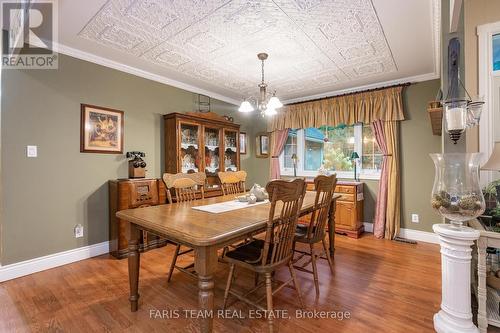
265	256
185	187
314	232
232	182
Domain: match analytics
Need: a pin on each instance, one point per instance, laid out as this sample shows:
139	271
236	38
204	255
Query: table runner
227	206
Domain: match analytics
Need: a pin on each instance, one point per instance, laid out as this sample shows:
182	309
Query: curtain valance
366	107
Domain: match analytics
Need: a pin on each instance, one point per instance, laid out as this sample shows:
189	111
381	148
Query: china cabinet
201	142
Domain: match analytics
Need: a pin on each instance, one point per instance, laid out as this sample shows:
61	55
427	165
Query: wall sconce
460	115
354	157
460	111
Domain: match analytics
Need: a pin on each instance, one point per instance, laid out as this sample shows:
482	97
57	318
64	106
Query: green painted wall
370	195
417	168
45	197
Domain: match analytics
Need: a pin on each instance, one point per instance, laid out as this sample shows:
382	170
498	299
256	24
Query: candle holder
455	116
460	111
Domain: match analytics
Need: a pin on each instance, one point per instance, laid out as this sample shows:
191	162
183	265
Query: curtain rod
406	84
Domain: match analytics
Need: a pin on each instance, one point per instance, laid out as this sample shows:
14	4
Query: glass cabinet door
230	151
190	151
212	151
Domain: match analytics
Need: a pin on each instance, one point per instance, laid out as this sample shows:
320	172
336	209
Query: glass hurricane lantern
456	193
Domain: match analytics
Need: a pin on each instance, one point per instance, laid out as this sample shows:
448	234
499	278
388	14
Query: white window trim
485	34
358	146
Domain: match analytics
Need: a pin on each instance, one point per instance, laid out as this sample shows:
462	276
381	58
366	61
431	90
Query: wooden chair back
286	197
232	182
185	186
325	188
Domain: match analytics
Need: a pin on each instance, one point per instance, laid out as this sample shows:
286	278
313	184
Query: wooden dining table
206	233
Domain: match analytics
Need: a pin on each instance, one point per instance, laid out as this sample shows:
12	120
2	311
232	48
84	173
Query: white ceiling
315	47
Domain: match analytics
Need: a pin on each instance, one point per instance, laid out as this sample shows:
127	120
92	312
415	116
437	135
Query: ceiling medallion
265	103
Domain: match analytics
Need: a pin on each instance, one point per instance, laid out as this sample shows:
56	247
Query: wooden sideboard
132	193
349	209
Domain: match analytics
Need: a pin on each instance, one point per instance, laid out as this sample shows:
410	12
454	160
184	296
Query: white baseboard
12	271
422	236
417	235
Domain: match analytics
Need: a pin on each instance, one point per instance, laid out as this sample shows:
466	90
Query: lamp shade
354	155
246	107
494	160
274	102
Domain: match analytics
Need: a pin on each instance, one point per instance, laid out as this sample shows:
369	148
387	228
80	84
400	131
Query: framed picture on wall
243	143
262	145
101	130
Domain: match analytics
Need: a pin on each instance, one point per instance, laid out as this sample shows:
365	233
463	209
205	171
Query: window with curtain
332	147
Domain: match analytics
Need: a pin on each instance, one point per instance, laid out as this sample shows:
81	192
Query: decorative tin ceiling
312	44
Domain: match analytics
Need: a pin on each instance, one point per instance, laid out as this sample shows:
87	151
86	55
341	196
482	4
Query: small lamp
294	161
354	157
493	164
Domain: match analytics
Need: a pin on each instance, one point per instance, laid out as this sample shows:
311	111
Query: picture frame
101	130
243	143
262	145
203	103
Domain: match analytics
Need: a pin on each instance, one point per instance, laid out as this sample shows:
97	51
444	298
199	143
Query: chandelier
265	103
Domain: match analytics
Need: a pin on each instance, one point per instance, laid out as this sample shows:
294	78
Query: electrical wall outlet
31	151
415	218
78	231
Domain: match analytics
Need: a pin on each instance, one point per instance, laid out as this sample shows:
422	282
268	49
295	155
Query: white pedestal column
455	315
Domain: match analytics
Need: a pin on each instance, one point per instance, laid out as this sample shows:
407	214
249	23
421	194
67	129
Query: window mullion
301	150
358	139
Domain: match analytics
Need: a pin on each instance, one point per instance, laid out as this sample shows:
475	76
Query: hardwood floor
385	287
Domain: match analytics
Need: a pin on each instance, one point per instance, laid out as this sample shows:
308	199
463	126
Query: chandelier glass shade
246	107
265	103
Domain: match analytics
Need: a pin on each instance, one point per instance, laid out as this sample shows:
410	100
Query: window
332	147
290	149
496	52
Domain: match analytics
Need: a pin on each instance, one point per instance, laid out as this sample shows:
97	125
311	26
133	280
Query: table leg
482	320
331	228
205	264
133	266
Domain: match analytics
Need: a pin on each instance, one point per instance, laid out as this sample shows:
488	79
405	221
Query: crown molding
412	79
435	8
82	55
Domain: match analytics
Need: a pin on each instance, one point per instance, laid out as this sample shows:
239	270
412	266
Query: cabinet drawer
346	197
345	189
310	186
